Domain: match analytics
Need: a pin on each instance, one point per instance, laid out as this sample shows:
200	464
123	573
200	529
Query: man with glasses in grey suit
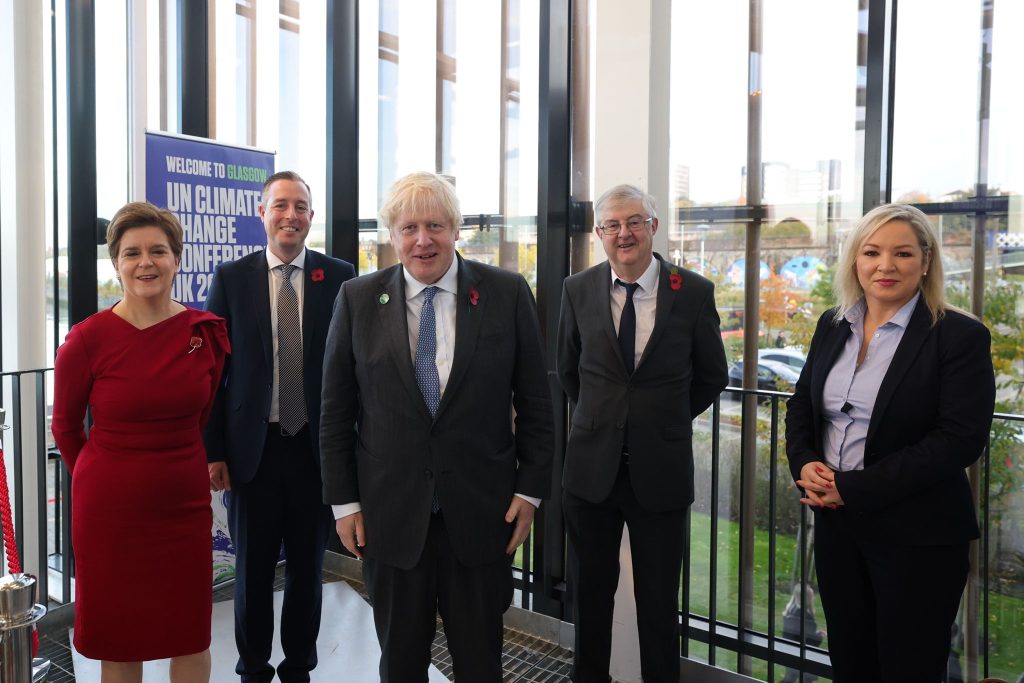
640	355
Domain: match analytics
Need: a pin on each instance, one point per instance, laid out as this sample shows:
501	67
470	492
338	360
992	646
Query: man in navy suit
262	440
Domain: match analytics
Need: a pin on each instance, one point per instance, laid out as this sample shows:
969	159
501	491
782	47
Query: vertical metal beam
751	324
974	648
41	498
508	250
580	242
879	101
342	201
193	67
81	56
54	178
19	464
553	204
439	74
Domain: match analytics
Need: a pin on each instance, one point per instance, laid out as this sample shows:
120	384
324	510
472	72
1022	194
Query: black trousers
282	504
889	608
471	601
656	546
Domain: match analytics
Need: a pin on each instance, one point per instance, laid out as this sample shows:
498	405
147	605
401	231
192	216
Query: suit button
620	425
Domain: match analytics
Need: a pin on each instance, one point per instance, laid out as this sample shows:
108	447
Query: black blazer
931	420
681	372
379	445
240	294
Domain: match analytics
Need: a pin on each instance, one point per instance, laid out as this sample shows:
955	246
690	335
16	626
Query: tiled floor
524	658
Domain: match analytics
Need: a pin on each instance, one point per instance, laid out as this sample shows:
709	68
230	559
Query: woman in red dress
148	368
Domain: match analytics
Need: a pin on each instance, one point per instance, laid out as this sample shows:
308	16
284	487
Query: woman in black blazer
895	400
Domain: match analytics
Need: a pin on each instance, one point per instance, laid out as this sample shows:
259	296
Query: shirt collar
273	261
900	319
449	282
648	281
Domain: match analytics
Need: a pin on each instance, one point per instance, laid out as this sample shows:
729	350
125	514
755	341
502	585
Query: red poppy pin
317	275
474	296
675	280
194	343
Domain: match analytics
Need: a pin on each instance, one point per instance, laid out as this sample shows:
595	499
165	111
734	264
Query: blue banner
214	190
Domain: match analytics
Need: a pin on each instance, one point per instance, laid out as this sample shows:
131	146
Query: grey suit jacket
491	437
680	373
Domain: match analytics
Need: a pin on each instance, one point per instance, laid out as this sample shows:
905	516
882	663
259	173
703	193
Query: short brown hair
284	175
143	215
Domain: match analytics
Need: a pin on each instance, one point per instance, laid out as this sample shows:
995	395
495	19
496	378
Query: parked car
791	357
771	376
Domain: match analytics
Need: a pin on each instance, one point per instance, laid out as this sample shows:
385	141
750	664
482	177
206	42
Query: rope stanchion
7	540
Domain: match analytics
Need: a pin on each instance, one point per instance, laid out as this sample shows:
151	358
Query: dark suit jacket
379	444
240	294
931	420
681	372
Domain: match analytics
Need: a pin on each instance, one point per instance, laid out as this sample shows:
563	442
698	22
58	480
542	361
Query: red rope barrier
7	540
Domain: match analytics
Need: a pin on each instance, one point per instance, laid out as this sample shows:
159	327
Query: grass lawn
1006	613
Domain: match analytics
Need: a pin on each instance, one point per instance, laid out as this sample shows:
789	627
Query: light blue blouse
850	390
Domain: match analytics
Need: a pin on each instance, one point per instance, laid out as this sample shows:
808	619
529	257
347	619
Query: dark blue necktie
425	365
426	353
627	326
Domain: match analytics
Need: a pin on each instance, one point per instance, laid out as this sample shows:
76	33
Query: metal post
18	612
194	67
751	324
976	652
553	208
879	98
343	131
81	116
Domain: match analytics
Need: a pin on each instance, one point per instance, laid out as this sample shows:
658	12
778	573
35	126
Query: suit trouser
280	505
656	546
471	601
889	607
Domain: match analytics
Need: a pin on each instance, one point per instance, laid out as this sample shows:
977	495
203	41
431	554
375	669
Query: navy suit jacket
681	372
492	435
931	420
240	294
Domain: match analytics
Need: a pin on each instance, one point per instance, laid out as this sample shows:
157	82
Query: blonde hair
419	193
847	287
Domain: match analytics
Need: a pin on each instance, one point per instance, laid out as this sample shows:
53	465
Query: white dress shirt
274	282
444	315
645	302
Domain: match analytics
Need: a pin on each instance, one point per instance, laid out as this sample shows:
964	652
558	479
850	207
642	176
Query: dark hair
143	215
284	175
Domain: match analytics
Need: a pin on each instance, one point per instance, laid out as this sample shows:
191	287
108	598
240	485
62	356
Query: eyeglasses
634	224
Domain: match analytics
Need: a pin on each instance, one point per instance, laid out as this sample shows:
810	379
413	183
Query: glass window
453	100
936	108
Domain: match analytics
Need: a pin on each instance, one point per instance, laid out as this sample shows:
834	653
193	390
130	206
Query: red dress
140	492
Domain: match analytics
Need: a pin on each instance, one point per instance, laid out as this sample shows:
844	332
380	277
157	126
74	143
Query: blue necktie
627	326
425	365
425	362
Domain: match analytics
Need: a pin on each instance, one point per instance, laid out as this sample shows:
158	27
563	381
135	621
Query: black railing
41	491
713	631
